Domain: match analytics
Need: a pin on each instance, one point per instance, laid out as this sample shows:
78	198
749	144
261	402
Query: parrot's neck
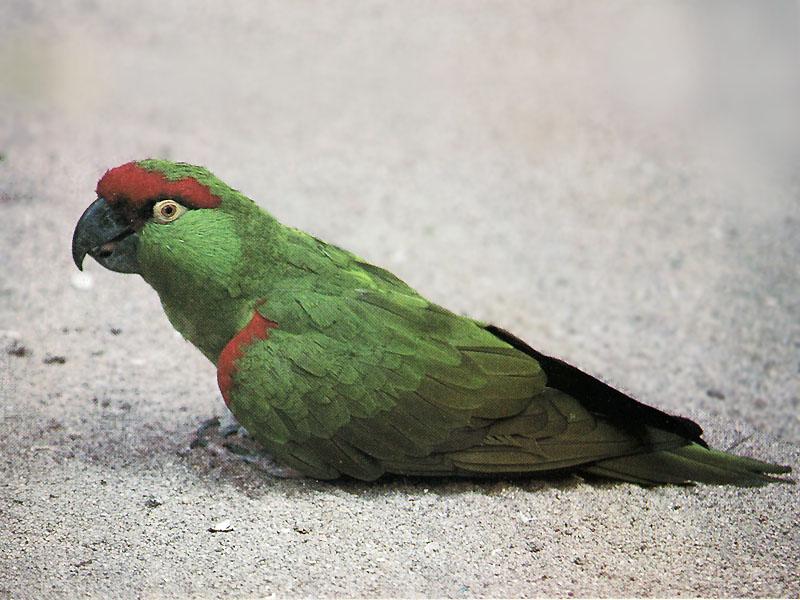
209	291
209	319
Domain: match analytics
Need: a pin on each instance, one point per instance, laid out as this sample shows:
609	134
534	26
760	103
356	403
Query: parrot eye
166	211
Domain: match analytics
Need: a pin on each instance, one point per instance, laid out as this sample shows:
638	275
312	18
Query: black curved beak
106	236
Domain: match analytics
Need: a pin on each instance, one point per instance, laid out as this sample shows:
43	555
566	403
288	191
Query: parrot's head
187	234
163	219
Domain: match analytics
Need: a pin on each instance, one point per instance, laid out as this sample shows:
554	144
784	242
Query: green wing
373	381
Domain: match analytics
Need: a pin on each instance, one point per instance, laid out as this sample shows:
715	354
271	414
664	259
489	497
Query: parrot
339	369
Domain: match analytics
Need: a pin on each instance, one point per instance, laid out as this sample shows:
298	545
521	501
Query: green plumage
362	376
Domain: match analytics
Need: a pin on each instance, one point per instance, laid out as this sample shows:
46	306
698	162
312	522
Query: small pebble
17	349
221	527
152	502
81	280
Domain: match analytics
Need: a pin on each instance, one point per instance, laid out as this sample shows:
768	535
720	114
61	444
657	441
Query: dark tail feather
688	464
601	398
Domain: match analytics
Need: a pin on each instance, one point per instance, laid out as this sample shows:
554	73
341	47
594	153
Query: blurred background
611	178
719	79
615	181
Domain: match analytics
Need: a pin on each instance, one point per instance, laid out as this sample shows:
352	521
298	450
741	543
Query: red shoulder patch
132	185
257	329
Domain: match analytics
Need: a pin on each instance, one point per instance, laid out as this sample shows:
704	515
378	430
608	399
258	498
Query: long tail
693	462
688	464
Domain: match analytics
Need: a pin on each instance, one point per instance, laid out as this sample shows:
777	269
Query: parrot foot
225	426
228	425
226	439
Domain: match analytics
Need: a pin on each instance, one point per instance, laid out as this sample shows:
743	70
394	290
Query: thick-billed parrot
338	367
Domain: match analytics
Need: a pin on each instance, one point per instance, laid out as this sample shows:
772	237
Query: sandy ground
615	182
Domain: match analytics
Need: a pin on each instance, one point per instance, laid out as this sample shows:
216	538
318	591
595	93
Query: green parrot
338	368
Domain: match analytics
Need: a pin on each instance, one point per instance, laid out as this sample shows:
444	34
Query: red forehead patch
134	186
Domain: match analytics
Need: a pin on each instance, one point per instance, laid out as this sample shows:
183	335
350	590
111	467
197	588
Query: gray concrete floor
615	182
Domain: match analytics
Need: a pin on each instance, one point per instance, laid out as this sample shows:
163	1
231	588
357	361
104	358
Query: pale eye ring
166	211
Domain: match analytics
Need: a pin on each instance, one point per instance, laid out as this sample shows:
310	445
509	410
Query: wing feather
364	376
363	382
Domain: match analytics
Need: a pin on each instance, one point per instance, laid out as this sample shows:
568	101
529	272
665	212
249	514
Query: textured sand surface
614	182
